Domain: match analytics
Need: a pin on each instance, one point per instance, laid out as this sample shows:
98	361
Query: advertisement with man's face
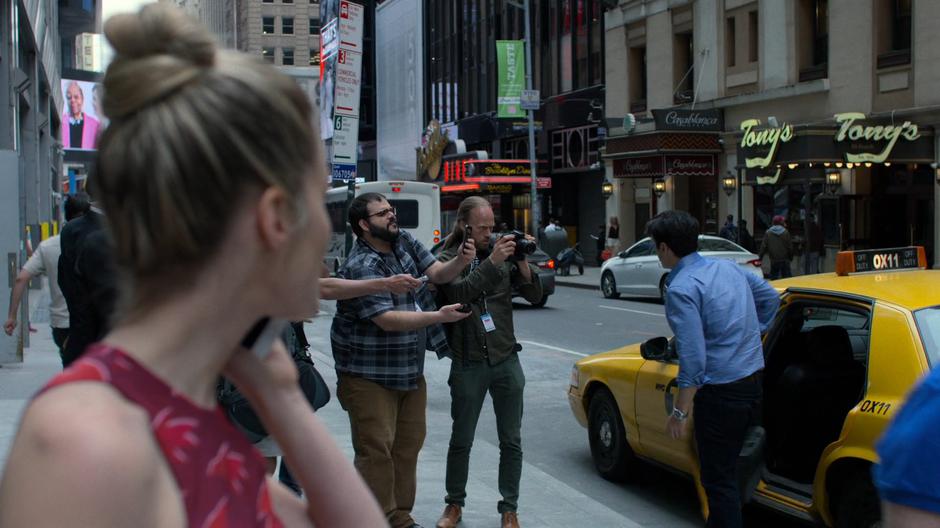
82	118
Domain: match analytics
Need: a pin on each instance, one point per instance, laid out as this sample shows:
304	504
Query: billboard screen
82	118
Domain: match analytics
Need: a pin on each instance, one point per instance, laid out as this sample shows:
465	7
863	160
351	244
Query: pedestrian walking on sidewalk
717	313
88	281
613	235
779	247
600	241
814	245
729	231
214	226
45	261
485	357
745	239
379	343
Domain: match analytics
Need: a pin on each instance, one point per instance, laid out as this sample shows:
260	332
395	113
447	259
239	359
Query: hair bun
157	51
160	29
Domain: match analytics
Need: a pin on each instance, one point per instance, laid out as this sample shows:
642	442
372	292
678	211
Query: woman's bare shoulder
80	446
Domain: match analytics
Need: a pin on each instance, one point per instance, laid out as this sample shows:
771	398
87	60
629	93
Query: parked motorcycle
570	257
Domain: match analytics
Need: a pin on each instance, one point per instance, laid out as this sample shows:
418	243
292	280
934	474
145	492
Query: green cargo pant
469	384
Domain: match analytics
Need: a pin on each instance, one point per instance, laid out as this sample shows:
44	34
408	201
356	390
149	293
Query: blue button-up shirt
718	313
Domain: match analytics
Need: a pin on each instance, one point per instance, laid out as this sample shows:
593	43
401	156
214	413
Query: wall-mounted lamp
607	189
728	183
659	187
834	181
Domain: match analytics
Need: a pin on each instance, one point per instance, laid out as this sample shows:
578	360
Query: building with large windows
284	32
757	108
30	148
219	16
567	68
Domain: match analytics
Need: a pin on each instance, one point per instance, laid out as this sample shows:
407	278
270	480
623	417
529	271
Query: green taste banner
510	59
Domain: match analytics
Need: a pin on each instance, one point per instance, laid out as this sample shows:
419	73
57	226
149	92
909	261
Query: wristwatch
678	414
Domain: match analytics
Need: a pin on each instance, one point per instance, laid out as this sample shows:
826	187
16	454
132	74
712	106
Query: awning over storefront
764	152
662	165
661	154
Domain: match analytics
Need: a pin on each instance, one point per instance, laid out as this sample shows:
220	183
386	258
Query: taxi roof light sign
876	260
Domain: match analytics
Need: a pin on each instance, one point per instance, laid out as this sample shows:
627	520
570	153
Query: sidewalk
591	280
20	381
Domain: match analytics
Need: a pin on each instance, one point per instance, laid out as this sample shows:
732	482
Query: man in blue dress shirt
717	312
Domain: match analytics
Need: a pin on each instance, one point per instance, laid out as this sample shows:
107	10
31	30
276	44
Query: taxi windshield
928	324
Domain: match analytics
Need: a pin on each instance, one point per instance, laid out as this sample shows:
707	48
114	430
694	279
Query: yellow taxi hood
626	352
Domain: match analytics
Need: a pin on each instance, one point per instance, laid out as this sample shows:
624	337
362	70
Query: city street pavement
590	280
560	487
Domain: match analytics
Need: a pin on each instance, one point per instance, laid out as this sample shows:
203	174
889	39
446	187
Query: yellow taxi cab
840	356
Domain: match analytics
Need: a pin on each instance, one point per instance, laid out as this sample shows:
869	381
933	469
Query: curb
577	285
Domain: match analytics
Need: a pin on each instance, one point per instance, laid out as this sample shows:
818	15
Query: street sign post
530	100
347	86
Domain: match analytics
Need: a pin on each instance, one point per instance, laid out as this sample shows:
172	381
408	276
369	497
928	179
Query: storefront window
793	202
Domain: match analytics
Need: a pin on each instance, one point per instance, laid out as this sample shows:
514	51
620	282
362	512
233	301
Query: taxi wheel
609	286
609	448
858	506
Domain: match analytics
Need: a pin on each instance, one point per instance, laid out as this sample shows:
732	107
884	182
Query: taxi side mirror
654	349
622	254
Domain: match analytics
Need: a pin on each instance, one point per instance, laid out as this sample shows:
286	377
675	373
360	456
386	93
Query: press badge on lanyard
485	316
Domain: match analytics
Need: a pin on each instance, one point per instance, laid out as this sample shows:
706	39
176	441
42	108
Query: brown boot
450	517
510	520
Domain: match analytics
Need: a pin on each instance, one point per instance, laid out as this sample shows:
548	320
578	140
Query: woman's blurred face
311	239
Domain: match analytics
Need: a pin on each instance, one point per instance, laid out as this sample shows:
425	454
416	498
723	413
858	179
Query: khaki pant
388	429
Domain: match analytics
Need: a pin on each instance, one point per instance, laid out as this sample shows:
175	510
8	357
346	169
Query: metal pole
534	222
350	196
740	197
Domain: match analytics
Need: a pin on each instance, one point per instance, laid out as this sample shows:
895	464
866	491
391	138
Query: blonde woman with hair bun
212	180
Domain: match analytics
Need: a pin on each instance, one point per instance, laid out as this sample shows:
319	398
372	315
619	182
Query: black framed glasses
384	212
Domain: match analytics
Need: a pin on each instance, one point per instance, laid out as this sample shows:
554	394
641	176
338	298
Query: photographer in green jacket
485	353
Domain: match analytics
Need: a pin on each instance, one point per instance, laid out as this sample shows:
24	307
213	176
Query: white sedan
636	272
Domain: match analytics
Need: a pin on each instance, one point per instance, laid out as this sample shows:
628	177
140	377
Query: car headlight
575	380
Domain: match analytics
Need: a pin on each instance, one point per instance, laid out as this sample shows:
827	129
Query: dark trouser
469	384
388	429
59	337
284	475
722	415
811	263
780	270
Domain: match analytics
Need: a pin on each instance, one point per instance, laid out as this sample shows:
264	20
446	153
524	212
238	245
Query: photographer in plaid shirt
379	344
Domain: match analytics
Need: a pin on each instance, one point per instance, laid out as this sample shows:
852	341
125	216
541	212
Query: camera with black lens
524	246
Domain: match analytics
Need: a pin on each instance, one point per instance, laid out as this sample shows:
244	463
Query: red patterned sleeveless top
220	475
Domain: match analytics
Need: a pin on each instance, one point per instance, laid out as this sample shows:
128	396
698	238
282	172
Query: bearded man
379	343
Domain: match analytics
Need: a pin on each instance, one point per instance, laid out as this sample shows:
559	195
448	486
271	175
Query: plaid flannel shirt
361	347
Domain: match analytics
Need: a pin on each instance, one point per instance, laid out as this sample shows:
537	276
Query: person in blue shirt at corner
908	475
717	313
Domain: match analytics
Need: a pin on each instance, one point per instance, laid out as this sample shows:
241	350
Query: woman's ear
275	217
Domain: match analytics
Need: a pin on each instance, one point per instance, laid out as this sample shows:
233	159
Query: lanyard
482	299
